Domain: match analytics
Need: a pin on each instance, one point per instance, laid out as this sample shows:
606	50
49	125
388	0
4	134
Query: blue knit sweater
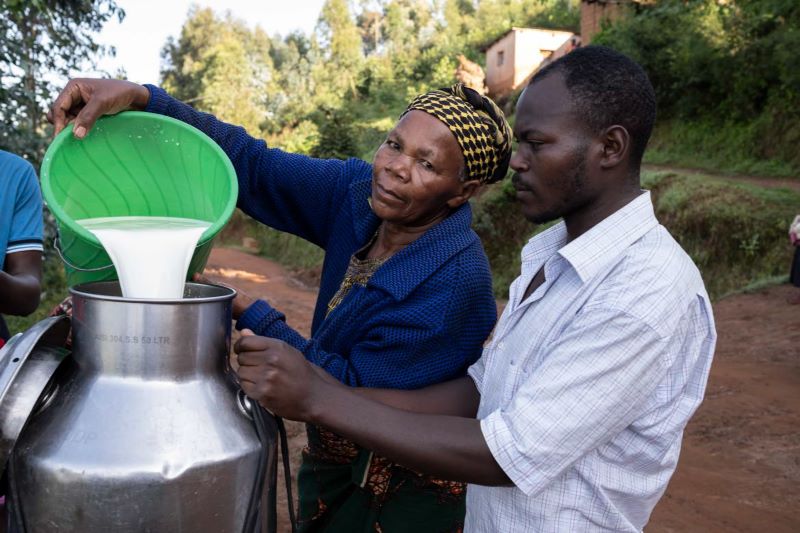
425	313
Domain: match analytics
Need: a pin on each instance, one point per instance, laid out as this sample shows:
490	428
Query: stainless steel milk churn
140	429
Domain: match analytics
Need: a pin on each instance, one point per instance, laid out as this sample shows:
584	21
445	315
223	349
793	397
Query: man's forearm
450	447
19	295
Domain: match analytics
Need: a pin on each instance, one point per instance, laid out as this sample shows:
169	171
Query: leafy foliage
735	233
336	136
724	66
43	40
354	66
223	67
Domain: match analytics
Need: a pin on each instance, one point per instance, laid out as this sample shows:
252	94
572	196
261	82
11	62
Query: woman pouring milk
405	298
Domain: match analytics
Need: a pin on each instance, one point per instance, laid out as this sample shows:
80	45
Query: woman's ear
468	190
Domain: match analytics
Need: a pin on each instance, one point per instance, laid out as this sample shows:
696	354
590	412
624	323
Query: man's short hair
608	88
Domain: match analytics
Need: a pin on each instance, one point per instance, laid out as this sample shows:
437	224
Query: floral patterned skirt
347	489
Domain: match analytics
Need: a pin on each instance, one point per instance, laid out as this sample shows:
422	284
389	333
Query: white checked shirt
587	385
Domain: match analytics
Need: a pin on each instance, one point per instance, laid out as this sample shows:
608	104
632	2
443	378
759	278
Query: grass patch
722	148
735	233
758	285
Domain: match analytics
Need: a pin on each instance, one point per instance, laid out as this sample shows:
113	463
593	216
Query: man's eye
426	164
393	145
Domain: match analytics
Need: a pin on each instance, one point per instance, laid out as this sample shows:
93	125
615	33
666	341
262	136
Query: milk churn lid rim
195	293
27	364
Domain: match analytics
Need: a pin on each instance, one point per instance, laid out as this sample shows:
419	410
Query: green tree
183	60
293	58
725	72
681	47
336	135
340	40
43	41
221	66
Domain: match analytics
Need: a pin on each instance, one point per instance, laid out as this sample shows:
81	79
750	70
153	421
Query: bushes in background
727	80
735	233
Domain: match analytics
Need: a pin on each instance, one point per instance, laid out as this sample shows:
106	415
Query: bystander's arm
20	283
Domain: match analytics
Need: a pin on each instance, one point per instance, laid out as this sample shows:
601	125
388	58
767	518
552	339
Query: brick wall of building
595	12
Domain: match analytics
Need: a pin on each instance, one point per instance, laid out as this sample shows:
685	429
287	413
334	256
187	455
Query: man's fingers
251	359
250	387
258	358
255	343
248	375
247	333
249	343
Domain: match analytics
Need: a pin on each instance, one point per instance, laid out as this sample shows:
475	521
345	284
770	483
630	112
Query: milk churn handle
258	413
287	470
57	246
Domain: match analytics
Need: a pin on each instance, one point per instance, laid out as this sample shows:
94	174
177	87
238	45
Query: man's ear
616	146
468	190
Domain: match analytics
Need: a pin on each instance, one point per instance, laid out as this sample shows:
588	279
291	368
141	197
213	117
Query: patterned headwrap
478	125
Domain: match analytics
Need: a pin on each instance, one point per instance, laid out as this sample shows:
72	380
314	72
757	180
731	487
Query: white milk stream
151	254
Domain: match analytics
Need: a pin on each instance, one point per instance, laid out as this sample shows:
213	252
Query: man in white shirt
572	418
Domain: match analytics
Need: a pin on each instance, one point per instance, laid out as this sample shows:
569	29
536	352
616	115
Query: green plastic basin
134	164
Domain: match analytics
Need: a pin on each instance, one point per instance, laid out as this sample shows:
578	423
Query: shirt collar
605	241
593	250
543	245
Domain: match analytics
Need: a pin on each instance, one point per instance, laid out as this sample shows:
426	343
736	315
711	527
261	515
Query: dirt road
770	183
740	466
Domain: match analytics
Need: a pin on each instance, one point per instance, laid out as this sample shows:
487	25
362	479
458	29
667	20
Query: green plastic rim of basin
134	164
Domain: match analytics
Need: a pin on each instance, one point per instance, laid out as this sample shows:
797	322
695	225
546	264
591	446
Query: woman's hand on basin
84	100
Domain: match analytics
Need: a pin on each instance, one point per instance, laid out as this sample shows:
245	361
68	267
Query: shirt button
501	345
512	362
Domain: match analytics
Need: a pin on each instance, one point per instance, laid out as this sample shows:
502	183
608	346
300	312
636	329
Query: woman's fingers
66	106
